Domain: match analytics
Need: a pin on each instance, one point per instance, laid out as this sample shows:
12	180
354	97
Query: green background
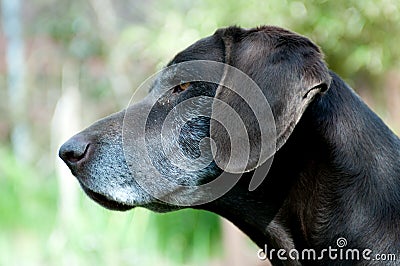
106	49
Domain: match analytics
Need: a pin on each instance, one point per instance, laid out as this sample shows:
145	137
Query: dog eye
181	87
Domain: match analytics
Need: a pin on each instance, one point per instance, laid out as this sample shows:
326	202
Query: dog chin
105	201
115	205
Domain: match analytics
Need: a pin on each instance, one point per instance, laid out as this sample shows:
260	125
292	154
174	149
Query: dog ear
250	123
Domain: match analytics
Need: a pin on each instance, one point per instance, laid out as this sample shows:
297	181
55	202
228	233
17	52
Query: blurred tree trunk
65	123
237	251
20	136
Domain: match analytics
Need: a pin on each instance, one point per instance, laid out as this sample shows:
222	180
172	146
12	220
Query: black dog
335	174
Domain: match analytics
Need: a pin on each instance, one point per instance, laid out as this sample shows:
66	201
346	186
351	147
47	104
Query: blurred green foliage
114	46
359	38
25	196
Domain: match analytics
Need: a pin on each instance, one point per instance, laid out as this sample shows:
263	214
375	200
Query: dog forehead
209	48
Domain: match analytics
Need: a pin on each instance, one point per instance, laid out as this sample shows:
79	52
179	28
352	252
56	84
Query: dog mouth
105	201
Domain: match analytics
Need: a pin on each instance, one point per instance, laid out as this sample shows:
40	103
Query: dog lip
105	201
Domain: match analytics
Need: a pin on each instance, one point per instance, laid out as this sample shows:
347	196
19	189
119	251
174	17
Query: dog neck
349	181
337	176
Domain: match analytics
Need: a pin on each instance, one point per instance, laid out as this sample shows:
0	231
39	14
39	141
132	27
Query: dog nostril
75	156
74	150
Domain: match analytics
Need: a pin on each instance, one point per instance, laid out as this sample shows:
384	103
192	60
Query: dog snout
75	150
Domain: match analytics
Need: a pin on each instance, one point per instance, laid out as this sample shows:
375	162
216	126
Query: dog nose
74	150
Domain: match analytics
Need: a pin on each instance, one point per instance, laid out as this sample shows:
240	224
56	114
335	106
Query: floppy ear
289	71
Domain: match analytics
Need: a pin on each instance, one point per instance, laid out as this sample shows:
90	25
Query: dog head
223	105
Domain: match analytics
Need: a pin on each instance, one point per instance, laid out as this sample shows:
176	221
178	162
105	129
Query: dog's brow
162	77
169	77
